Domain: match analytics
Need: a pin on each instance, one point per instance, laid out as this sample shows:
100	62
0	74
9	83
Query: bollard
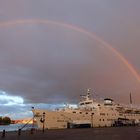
3	133
32	130
19	132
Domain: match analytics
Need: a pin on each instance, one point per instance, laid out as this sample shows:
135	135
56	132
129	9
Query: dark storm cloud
48	63
53	64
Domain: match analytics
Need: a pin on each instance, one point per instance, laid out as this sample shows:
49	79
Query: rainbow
77	29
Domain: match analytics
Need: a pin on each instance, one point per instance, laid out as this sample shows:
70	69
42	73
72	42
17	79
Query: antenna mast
130	100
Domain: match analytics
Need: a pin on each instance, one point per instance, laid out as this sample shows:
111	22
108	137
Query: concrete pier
112	133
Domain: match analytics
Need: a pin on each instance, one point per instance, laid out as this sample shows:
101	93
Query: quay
106	133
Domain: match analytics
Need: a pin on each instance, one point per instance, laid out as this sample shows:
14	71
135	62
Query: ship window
73	112
86	112
88	103
102	114
100	120
81	103
80	112
98	104
103	119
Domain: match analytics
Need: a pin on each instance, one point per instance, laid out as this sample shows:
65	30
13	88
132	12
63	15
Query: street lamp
92	119
43	120
32	122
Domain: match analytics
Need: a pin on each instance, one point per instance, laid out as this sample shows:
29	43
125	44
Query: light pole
33	122
92	119
43	121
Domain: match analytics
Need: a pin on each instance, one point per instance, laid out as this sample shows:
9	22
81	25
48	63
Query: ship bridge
87	101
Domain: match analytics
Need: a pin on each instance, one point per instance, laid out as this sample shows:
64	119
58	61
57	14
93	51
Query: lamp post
33	122
92	119
43	120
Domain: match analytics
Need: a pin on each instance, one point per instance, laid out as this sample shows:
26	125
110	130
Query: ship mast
130	100
87	96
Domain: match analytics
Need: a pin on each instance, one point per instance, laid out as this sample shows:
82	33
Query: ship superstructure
89	113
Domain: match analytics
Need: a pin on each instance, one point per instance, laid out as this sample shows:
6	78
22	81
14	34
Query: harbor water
16	127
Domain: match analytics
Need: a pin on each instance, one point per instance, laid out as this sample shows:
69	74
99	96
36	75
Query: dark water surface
15	127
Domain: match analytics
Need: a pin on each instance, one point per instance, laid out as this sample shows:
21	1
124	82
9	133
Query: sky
51	51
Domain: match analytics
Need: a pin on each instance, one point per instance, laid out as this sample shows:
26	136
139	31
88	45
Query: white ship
89	113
